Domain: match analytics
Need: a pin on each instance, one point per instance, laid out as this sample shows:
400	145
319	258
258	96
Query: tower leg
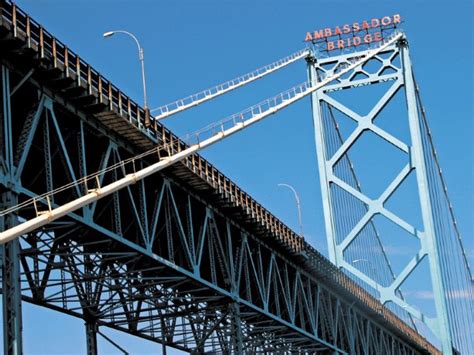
441	328
11	287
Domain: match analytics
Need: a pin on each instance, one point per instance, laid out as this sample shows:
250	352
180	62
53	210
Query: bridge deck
74	82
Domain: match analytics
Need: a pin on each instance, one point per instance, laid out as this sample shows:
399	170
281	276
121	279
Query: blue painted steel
323	174
442	325
208	268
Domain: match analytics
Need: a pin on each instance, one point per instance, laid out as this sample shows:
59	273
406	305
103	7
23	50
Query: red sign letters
343	32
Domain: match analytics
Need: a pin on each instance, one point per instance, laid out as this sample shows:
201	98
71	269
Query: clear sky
191	45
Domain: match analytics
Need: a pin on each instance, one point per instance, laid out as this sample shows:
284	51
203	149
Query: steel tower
352	214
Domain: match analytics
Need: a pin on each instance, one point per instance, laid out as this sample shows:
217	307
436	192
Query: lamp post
141	57
298	205
375	273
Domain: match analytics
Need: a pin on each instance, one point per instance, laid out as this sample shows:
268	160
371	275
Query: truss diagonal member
181	232
354	192
26	136
156	214
353	234
389	191
402	223
209	94
22	81
248	118
387	63
202	239
113	343
111	147
379	106
284	286
269	279
389	138
307	304
62	143
357	70
260	286
346	146
366	124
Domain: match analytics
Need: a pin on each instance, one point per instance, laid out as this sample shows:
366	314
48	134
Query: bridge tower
355	214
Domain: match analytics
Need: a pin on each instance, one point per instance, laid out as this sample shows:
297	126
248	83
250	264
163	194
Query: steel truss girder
157	261
401	76
131	300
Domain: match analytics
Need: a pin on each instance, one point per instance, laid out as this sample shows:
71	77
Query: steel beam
11	285
236	327
441	327
322	168
91	337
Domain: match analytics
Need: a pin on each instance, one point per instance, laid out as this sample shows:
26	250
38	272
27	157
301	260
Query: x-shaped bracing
376	206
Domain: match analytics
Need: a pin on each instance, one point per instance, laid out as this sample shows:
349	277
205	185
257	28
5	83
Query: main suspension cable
223	88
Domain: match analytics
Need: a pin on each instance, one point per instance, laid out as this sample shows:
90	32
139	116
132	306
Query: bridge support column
11	287
89	311
163	337
91	337
236	328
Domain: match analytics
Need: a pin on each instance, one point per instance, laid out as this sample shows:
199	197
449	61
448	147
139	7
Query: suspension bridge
108	216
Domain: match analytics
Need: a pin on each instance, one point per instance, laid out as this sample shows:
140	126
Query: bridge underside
168	259
107	284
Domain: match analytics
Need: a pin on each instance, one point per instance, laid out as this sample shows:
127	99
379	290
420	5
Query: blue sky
192	45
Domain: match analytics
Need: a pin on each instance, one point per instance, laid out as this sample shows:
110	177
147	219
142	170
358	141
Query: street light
375	273
141	57
298	205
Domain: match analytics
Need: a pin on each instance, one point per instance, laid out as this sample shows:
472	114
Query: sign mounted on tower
353	35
